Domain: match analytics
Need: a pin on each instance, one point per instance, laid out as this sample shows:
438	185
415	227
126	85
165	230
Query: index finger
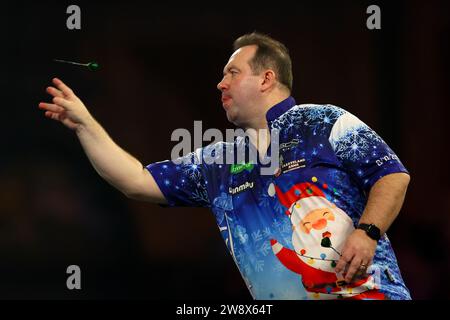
342	263
354	266
61	86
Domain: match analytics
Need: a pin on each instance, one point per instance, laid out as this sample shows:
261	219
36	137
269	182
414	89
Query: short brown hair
269	54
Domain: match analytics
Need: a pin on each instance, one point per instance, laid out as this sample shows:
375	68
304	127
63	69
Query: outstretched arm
112	163
385	200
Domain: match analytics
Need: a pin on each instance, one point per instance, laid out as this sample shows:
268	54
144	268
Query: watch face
373	232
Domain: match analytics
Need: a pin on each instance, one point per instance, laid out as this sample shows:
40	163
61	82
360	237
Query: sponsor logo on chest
290	165
289	145
240	188
238	168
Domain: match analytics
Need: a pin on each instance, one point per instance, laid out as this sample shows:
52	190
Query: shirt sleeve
182	181
362	151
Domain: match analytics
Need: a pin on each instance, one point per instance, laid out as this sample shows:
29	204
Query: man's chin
231	116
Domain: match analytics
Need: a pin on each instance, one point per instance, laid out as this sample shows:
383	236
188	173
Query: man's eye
326	212
304	224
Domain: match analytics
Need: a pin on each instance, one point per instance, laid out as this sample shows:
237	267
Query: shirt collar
280	108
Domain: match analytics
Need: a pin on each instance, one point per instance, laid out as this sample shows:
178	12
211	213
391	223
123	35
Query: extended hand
66	107
357	255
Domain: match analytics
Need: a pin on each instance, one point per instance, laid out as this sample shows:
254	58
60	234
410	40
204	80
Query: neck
260	121
260	135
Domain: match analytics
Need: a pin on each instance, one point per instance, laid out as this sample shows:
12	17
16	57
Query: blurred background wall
160	64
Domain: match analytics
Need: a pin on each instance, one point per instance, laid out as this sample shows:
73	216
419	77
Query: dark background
160	64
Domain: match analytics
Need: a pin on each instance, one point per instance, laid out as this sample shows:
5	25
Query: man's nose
221	85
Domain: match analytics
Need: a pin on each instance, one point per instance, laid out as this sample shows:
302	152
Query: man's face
240	87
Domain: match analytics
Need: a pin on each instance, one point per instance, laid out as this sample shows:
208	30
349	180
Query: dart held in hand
92	66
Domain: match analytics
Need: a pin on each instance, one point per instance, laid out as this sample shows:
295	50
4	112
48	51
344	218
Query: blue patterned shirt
275	225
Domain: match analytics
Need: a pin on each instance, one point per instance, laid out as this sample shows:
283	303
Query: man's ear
268	80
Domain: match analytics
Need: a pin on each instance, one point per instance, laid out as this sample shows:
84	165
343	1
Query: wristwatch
372	230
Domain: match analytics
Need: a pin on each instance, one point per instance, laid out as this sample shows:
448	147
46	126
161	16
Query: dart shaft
92	66
71	62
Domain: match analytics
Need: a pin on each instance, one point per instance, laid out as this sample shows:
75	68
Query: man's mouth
225	98
226	102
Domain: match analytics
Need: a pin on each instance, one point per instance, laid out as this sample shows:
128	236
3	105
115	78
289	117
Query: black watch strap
372	230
